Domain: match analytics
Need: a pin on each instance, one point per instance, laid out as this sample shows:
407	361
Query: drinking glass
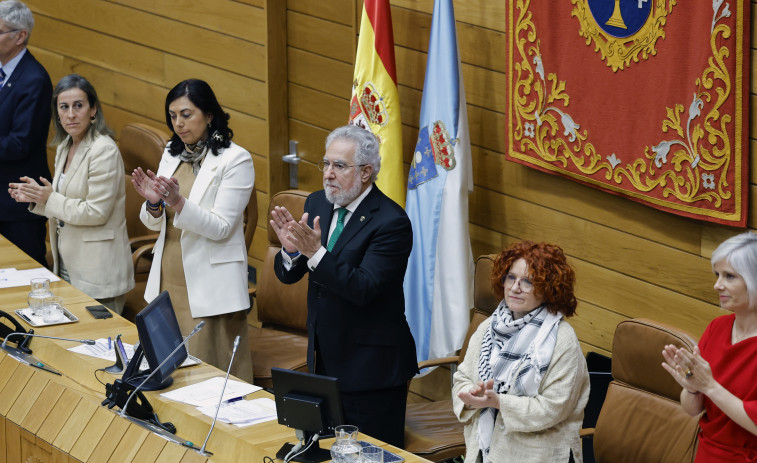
40	290
372	454
53	309
346	448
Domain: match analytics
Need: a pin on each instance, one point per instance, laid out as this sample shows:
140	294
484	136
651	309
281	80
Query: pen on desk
109	343
234	399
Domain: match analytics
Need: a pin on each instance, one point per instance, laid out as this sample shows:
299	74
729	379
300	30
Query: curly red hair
550	273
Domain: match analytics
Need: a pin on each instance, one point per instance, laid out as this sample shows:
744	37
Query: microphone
182	344
29	359
220	399
90	342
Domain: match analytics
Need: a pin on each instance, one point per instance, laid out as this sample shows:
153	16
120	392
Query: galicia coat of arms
433	148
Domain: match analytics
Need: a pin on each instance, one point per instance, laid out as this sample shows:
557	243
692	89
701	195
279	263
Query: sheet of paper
102	350
206	393
244	412
11	278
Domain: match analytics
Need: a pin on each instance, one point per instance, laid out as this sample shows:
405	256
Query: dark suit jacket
24	124
356	304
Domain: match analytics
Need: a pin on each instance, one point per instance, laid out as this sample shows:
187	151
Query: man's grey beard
344	197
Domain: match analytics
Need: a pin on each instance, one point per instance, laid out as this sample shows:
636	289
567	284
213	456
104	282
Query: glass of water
346	448
40	290
372	454
52	311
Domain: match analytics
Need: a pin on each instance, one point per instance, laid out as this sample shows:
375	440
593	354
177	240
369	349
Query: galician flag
375	103
439	278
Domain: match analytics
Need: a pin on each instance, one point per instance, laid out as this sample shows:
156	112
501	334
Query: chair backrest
279	304
485	300
140	146
642	418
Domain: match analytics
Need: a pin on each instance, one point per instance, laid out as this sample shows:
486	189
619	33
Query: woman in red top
720	375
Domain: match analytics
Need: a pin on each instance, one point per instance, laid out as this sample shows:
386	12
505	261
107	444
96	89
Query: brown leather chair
141	146
432	430
641	419
282	309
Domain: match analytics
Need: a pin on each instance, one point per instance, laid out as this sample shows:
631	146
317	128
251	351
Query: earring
92	119
217	136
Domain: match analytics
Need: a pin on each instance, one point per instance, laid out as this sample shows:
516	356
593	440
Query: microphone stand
182	344
220	399
31	360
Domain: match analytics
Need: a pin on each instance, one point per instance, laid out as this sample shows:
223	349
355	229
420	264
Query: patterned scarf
516	354
194	154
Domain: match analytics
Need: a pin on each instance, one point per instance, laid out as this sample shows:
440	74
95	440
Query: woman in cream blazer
197	201
86	200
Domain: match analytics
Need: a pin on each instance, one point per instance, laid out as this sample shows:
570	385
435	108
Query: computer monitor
310	404
159	335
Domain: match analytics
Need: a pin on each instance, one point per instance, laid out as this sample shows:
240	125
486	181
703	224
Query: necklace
738	338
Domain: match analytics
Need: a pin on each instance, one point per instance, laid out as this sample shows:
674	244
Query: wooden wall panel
224	16
134	51
631	260
320	36
340	11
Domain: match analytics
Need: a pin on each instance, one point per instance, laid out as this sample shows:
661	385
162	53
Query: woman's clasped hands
689	369
157	188
29	191
481	395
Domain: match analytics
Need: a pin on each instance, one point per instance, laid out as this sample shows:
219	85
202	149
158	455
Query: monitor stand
315	454
134	377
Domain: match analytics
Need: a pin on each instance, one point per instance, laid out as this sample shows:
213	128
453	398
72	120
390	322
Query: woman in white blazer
196	200
86	200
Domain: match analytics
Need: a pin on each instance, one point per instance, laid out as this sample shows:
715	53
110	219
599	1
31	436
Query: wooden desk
50	418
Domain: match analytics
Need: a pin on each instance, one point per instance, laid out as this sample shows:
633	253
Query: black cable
98	379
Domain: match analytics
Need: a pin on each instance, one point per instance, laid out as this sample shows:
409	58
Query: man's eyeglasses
8	32
510	280
338	166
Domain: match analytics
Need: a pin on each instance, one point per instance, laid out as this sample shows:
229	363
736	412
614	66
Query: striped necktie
339	227
2	78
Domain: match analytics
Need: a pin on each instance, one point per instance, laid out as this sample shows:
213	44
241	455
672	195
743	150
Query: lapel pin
362	218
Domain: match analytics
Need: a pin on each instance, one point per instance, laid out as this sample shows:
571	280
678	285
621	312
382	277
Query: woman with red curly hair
523	385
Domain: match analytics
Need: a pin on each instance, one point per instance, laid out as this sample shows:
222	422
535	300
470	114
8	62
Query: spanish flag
375	102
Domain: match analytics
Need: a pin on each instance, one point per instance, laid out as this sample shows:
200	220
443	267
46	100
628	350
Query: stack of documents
234	410
105	349
11	278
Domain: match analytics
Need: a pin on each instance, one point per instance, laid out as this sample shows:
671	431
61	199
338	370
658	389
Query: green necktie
339	227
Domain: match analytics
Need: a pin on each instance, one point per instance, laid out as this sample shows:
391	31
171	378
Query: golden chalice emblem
616	20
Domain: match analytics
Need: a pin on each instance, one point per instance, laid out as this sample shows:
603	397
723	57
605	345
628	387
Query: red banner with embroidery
643	98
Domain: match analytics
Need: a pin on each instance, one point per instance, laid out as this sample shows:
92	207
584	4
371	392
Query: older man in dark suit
354	242
25	95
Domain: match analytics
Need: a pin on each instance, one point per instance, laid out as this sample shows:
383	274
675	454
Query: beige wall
631	260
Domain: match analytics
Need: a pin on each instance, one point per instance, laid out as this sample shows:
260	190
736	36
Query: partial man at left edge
25	96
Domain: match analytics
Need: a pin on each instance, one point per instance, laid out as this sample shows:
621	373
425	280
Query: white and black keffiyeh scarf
516	354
